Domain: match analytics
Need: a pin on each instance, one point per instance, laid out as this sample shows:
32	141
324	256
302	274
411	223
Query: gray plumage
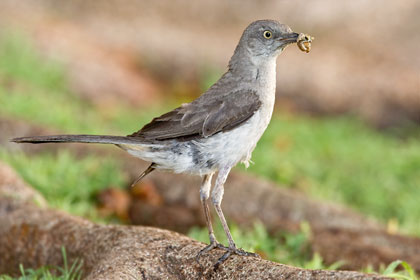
217	130
213	112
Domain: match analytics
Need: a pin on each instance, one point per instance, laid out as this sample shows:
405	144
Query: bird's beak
289	38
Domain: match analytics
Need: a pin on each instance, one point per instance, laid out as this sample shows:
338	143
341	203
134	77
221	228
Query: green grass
67	182
73	272
407	272
337	159
16	54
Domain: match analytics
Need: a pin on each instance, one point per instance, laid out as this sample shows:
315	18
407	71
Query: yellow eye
267	34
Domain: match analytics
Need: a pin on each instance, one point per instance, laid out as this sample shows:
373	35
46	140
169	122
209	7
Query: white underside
229	148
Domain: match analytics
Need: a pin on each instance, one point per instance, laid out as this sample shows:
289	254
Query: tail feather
102	139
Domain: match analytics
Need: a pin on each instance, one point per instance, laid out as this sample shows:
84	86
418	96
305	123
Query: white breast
229	148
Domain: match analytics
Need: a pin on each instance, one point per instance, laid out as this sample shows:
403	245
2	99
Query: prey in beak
303	40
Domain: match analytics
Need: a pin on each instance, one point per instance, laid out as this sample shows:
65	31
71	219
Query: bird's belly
230	147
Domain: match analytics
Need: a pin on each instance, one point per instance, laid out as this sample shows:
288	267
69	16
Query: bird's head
267	38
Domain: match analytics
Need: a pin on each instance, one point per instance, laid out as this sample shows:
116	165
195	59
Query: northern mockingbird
218	129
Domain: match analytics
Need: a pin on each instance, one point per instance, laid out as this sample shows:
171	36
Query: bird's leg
217	196
204	195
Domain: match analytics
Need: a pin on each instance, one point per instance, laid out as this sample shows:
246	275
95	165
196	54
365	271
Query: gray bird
215	131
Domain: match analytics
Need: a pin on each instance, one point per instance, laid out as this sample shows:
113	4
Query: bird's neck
257	70
261	69
265	76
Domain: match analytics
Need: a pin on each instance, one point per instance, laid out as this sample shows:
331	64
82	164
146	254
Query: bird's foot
208	248
232	250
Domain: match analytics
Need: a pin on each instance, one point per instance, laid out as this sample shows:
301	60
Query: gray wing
205	116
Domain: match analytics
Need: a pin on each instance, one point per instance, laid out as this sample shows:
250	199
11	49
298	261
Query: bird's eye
267	34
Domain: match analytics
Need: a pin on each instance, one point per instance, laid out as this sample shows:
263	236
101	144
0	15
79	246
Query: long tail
80	138
102	139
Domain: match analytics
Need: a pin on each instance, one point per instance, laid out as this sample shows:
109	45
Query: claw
229	251
208	248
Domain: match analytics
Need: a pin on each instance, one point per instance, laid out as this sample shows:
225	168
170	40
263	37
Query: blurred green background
345	128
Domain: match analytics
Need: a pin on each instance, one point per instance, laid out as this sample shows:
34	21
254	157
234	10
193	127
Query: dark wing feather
203	117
